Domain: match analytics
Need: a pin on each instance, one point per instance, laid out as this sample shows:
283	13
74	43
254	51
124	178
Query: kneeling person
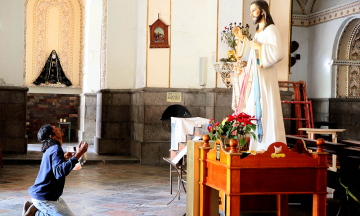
55	166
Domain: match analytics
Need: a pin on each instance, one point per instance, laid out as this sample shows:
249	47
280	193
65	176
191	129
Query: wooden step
199	131
182	145
189	137
173	154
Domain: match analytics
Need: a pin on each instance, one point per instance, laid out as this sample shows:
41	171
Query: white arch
335	51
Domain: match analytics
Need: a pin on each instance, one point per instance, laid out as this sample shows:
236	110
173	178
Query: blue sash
257	102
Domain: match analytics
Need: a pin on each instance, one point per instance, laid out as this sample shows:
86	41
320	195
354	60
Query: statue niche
52	73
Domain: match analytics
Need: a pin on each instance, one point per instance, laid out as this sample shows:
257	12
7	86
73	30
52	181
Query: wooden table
312	131
334	133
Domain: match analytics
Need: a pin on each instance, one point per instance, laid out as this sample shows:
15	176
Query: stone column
113	122
87	120
13	119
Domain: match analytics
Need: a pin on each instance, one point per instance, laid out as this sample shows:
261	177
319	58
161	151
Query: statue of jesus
258	86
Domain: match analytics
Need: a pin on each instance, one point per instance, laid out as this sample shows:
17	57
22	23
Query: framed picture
159	35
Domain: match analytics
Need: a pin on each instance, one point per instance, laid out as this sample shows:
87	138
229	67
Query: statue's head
258	10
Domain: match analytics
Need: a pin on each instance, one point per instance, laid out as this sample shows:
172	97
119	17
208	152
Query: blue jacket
50	181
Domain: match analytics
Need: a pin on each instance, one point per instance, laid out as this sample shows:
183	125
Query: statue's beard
258	18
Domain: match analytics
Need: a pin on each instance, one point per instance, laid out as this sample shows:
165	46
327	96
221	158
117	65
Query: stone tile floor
112	189
104	189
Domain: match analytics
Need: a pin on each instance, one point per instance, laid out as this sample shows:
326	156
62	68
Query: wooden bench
349	159
353	143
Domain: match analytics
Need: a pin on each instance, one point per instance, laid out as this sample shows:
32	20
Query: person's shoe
31	211
27	204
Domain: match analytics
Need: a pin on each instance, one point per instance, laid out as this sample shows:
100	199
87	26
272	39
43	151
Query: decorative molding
353	72
25	30
345	63
103	52
326	15
82	39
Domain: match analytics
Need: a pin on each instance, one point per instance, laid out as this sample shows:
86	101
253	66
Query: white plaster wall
193	36
158	59
12	41
211	43
140	49
121	44
229	12
299	70
91	78
321	40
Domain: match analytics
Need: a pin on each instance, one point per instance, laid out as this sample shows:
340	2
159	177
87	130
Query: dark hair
44	137
264	7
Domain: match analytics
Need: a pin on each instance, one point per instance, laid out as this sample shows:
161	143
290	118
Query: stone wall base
151	153
13	119
129	121
14	145
111	146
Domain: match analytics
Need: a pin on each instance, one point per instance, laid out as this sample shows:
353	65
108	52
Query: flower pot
232	55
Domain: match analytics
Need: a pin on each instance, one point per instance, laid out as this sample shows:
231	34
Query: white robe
272	118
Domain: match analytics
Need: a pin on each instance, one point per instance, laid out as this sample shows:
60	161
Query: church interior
139	81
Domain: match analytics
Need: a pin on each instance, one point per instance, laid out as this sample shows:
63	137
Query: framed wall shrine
159	35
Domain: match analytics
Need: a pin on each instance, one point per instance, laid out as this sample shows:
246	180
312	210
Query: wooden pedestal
263	174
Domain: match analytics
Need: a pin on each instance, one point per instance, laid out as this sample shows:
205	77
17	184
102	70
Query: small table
68	123
334	132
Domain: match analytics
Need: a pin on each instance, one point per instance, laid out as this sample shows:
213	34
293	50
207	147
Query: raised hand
237	31
68	155
81	149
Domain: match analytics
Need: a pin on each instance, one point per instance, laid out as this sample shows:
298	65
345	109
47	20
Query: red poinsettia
233	127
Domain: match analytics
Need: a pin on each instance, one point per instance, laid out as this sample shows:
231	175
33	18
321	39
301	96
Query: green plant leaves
243	142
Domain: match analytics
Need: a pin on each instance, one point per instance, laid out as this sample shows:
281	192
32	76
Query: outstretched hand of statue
237	31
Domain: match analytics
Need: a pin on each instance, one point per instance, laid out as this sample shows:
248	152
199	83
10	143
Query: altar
294	171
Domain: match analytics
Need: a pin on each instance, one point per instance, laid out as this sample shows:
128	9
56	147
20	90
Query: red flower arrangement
235	126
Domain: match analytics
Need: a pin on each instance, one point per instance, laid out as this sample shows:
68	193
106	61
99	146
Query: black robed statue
52	73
